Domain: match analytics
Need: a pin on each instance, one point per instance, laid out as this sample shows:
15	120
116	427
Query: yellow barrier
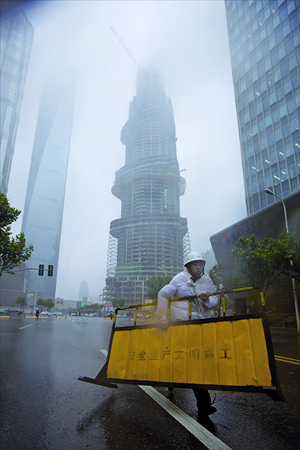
34	317
227	353
223	353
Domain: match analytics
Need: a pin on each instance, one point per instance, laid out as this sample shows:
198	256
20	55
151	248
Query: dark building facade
16	34
268	223
150	238
264	40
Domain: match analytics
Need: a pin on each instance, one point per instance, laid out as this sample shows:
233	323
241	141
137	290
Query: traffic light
57	301
61	301
41	270
50	271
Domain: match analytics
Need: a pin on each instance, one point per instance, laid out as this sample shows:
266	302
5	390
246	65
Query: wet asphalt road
44	406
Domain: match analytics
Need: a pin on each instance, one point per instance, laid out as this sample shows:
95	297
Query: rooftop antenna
129	53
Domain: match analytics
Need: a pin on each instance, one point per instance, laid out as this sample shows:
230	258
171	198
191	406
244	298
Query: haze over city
188	43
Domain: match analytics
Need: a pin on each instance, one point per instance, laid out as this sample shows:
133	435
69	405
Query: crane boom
124	47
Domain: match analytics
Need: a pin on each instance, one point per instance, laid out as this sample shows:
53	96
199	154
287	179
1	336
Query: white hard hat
193	256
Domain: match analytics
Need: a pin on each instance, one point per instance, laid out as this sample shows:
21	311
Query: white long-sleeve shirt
182	285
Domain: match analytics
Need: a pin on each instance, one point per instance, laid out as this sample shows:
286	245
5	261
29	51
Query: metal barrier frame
274	391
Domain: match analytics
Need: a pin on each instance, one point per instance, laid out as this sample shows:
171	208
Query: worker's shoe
207	411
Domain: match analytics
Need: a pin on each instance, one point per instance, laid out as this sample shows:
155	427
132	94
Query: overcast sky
188	42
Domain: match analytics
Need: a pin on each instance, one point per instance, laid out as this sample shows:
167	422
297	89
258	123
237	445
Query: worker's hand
204	296
164	324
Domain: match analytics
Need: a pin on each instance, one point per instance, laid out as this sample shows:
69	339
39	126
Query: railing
220	293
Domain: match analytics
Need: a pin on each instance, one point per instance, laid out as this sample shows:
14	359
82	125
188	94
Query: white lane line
201	433
26	326
78	326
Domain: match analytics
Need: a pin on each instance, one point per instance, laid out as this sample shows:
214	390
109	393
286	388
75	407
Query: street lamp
268	191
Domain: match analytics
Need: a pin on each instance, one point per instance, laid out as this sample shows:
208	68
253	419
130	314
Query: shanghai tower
150	238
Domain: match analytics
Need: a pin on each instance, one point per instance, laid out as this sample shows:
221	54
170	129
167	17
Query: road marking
202	434
26	326
288	360
78	326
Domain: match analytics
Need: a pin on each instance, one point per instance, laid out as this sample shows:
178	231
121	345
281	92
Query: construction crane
129	53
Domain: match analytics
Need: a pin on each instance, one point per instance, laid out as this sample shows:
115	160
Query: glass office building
44	203
264	39
16	33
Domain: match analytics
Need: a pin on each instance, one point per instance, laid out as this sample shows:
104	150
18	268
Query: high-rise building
150	238
83	291
16	33
264	39
44	203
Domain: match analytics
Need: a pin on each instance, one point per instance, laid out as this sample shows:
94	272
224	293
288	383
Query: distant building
44	203
150	238
16	41
264	39
11	286
210	259
83	291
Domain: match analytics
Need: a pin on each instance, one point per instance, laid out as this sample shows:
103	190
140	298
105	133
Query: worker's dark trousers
203	399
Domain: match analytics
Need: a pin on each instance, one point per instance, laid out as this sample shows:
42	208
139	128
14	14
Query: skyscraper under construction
150	238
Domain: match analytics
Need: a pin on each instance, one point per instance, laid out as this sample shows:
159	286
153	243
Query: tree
13	251
49	304
118	302
221	281
262	262
21	300
155	284
41	302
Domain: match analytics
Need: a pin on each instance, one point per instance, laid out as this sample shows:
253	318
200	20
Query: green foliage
13	251
47	303
222	281
155	284
261	262
92	307
40	302
118	302
21	300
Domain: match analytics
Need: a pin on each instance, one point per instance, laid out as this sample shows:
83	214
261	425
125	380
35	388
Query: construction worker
192	281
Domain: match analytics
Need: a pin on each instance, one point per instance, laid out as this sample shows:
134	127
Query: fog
188	42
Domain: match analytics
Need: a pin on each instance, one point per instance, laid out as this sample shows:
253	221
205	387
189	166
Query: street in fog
44	406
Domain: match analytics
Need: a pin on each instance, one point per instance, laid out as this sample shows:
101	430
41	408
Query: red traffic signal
57	301
61	301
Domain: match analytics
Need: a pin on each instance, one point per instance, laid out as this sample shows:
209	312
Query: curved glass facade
16	34
44	203
264	39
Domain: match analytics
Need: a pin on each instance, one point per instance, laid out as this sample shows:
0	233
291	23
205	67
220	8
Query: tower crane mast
129	53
